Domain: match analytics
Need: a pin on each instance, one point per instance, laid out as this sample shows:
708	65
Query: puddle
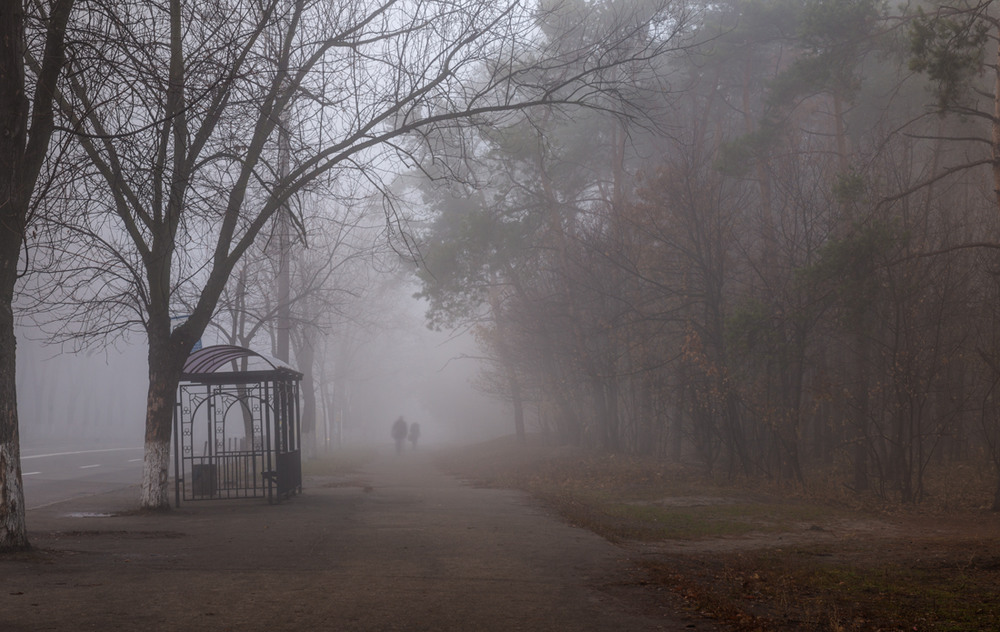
87	514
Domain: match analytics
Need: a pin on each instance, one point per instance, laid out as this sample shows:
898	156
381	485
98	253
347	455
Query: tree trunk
13	530
165	365
510	372
861	399
995	128
22	152
677	420
996	497
306	357
13	121
518	402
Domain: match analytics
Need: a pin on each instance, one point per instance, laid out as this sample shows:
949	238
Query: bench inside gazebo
237	427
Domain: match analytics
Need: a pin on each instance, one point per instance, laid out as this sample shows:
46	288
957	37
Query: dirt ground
754	557
399	546
899	573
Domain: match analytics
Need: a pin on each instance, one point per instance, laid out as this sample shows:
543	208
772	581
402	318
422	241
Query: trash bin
203	479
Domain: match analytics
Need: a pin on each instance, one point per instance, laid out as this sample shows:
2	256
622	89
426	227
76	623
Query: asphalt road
55	475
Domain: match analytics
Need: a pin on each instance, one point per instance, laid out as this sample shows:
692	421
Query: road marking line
40	456
87	467
29	473
133	460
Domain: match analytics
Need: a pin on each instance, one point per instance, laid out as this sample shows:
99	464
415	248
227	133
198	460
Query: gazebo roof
214	365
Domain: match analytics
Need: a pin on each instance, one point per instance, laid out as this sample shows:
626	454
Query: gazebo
236	427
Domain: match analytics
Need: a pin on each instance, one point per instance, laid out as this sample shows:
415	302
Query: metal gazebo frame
249	431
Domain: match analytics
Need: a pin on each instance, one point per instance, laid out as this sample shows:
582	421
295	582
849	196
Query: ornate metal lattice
236	433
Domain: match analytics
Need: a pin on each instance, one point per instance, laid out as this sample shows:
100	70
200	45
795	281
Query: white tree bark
13	532
155	491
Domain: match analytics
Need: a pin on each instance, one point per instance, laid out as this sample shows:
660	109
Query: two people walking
401	431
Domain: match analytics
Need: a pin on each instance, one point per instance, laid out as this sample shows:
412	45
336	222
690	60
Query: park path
400	546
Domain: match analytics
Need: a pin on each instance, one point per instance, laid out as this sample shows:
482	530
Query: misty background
756	236
96	399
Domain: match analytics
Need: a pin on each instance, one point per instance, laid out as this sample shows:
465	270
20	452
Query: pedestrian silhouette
399	431
414	434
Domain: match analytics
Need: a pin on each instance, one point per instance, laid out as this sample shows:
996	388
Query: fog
692	260
79	399
782	273
423	375
96	399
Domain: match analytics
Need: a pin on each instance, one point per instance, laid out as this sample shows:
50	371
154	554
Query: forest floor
770	557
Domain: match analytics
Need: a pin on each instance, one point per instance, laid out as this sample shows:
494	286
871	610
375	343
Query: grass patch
625	498
757	557
637	519
817	589
337	463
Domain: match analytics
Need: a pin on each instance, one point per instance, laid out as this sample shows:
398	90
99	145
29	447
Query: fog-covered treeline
783	265
760	234
161	155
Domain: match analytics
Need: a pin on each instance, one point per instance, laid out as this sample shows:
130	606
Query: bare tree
26	127
177	108
323	285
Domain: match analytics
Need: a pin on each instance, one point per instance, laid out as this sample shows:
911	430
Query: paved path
400	547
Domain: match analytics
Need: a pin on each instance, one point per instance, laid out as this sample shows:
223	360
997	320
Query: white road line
29	473
87	467
41	456
134	460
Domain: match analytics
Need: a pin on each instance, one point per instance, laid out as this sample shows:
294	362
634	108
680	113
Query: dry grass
763	557
338	463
